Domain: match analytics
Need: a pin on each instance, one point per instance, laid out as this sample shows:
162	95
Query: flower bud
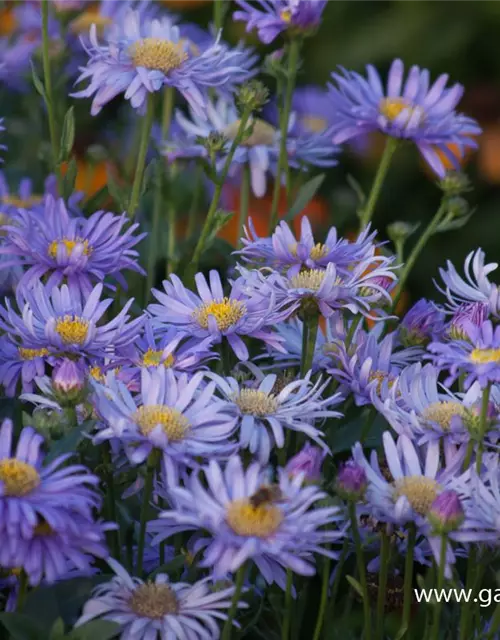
423	323
68	383
474	313
252	96
454	183
400	231
307	461
351	481
458	207
214	143
446	513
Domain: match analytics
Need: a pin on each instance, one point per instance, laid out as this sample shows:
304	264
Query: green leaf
343	438
69	442
67	135
37	82
95	630
221	218
116	192
355	585
57	631
305	195
174	565
69	178
21	627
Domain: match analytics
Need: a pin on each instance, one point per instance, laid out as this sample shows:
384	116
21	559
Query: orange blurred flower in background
8	21
91	177
489	154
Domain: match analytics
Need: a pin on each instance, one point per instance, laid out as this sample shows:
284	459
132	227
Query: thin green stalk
23	590
151	466
324	598
483	427
147	124
49	96
360	558
309	334
440	584
293	60
287	620
228	626
218	14
114	536
385	549
207	227
168	106
338	576
195	202
383	167
172	223
468	607
417	249
408	577
468	455
244	199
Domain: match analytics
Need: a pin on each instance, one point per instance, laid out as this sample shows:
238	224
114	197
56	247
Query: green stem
309	333
385	548
207	227
385	161
324	599
147	124
440	584
293	60
287	620
23	590
468	455
49	96
408	577
195	202
114	536
417	249
360	558
168	106
172	222
152	464
218	14
228	626
483	427
467	610
244	199
338	576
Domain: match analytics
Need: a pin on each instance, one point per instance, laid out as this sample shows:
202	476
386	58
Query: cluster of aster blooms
212	415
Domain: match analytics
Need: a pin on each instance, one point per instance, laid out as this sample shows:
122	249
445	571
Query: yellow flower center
153	358
246	520
318	251
286	15
72	329
391	108
256	403
309	279
84	21
97	373
442	412
69	245
420	492
18	478
262	133
173	423
314	123
21	203
153	601
157	54
226	313
31	354
485	356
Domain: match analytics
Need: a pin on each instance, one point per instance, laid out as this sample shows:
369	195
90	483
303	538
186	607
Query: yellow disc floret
17	477
157	54
173	423
420	491
72	329
246	520
226	312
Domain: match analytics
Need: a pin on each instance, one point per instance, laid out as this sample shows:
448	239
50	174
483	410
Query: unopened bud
351	481
68	383
454	183
308	462
252	96
446	513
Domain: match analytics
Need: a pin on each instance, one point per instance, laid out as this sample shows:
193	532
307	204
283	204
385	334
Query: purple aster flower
63	322
33	494
351	481
311	111
259	151
368	367
265	416
143	56
422	324
446	513
2	146
426	411
159	608
213	315
20	364
307	463
475	288
286	254
15	57
77	250
246	519
486	493
412	111
467	313
295	17
477	358
177	415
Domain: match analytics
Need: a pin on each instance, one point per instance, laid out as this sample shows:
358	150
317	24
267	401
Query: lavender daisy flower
213	315
76	249
2	146
287	254
476	288
264	416
412	111
423	323
368	366
310	110
178	416
144	56
32	493
259	151
295	17
63	323
478	357
159	609
20	364
241	525
15	56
